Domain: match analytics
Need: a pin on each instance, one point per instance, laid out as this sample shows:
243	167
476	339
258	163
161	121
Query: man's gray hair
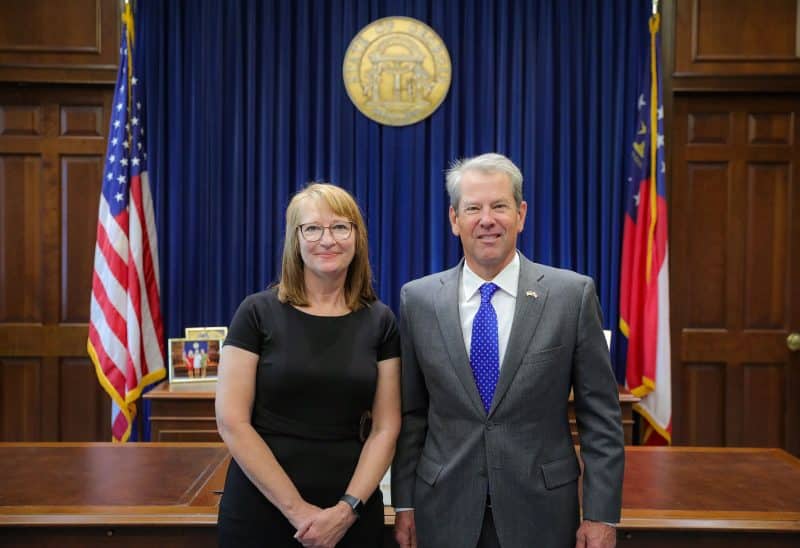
486	163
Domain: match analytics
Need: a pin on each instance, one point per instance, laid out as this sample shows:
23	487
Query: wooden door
52	151
735	244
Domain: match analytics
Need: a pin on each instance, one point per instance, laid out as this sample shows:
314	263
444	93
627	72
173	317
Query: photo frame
206	332
193	359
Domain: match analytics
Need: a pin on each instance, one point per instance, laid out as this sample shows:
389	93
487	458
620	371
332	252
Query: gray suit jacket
450	453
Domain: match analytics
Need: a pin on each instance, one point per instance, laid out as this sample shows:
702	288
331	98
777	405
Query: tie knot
487	290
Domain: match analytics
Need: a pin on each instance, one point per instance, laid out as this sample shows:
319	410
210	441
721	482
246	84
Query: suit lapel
449	318
531	298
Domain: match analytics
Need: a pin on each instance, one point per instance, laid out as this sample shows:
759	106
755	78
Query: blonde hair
358	290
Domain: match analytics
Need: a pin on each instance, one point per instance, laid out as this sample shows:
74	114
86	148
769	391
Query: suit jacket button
489	425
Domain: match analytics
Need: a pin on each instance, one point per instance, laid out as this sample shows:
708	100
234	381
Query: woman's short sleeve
245	331
390	336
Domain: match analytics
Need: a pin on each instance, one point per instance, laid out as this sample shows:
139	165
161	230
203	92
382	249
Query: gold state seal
397	71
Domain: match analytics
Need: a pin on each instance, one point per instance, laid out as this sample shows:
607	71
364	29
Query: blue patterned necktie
484	350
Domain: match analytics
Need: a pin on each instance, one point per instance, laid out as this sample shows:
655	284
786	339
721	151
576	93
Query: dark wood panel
19	120
53	341
744	30
766	246
704	345
48	396
20	387
186	431
80	190
770	128
49	230
20	238
736	38
707	187
743	274
55	41
694	84
764	404
703	404
709	128
85	121
36	26
84	407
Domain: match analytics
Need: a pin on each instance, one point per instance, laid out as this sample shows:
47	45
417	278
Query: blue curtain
246	104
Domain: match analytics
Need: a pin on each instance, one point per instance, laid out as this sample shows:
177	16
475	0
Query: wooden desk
86	495
694	496
103	494
185	412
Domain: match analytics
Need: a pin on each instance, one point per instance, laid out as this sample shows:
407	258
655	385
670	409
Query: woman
303	366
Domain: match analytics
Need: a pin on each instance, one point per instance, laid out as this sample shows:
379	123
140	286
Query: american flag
125	329
644	278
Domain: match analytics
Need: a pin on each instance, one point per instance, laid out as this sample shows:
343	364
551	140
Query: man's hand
594	534
405	532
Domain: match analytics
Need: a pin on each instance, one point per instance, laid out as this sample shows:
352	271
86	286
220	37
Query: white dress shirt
504	302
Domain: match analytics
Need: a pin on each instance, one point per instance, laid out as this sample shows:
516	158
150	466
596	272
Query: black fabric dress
316	377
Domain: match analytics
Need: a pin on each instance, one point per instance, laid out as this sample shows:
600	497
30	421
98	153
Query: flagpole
125	325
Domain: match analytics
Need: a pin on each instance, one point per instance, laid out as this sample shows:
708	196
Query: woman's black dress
316	377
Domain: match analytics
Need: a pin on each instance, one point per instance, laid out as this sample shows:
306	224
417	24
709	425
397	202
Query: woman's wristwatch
354	503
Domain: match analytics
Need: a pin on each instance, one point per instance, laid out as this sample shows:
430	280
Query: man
485	457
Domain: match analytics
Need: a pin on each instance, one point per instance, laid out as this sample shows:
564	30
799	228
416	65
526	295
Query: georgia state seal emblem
397	71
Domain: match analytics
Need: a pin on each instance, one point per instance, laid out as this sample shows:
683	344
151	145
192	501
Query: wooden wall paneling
21	197
20	120
707	190
703	393
80	192
84	407
764	404
60	42
52	149
737	38
736	30
737	234
766	227
81	121
20	404
50	424
678	242
709	128
770	128
735	203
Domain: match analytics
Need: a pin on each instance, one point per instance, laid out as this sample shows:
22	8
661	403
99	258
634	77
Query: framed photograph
205	332
193	359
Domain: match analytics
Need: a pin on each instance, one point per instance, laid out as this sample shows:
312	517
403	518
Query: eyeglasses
313	232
